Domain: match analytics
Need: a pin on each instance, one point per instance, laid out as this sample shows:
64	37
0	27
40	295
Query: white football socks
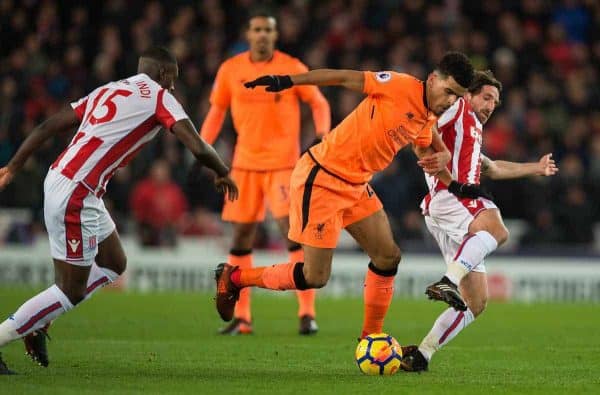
445	328
34	314
99	277
470	254
49	305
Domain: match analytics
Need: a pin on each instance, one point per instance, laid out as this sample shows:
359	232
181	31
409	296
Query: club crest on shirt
383	76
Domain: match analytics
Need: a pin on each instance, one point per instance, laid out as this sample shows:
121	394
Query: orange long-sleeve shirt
267	124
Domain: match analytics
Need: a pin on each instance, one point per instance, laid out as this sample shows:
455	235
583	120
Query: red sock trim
235	278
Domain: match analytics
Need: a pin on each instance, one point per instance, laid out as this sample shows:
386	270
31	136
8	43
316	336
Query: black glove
470	191
274	83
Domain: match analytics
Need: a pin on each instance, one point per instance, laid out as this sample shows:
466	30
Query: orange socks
378	293
306	298
279	277
242	307
283	276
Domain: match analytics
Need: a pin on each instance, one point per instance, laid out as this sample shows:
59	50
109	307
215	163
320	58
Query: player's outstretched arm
350	79
501	170
63	121
206	155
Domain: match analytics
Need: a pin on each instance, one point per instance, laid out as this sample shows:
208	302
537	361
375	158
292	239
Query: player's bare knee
316	280
117	262
501	235
388	260
397	256
121	265
243	236
74	292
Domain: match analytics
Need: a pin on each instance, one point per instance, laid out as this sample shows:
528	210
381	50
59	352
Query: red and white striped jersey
117	119
461	131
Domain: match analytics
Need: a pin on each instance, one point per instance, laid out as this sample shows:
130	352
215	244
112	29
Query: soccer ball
378	354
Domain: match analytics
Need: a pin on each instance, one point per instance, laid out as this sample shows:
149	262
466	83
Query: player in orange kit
267	148
330	185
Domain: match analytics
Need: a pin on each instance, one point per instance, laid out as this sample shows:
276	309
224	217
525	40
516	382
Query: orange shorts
322	205
257	190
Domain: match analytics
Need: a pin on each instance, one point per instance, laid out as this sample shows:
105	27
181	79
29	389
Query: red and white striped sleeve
79	107
451	114
168	109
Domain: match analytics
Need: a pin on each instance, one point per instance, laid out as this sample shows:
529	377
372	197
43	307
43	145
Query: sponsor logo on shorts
473	204
74	244
11	317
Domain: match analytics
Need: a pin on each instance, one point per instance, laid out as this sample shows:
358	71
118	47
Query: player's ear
162	74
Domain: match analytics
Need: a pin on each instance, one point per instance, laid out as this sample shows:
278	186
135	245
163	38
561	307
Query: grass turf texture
167	343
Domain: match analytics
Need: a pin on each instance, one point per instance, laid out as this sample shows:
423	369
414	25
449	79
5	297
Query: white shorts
76	220
448	219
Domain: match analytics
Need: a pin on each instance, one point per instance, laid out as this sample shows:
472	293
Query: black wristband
285	81
455	187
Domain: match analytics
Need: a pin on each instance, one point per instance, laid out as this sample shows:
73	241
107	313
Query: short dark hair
484	77
457	65
260	12
159	54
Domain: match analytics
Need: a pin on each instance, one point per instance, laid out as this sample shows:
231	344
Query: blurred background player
114	122
330	188
466	230
267	148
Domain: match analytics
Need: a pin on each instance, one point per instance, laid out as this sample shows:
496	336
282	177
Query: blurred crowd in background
546	53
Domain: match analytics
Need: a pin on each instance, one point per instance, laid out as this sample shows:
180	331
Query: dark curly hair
484	77
457	65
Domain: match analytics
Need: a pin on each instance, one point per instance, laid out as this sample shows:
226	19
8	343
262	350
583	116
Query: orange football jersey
392	115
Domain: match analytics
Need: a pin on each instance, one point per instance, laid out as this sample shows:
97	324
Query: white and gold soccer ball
378	354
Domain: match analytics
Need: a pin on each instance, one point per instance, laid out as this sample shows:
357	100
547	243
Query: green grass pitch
167	343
